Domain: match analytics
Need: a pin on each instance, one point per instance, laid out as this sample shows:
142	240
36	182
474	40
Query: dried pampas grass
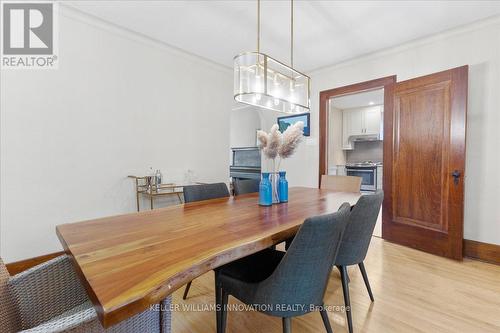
273	142
280	145
291	139
262	137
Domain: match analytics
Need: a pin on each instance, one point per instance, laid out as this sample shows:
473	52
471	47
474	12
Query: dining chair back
302	275
355	243
286	284
50	298
341	183
243	186
205	192
202	192
359	230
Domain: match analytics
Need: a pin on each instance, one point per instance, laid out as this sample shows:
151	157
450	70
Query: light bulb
292	87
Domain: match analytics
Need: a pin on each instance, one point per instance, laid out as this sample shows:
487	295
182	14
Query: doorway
352	143
355	140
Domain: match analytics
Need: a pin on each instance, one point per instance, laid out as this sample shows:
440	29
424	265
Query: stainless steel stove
367	170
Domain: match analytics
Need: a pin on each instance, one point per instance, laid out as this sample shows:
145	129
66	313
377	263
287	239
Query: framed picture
284	122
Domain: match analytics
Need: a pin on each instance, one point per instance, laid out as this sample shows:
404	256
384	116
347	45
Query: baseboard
22	265
482	251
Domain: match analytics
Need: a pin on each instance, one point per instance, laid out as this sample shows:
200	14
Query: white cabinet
355	121
371	121
360	122
346	143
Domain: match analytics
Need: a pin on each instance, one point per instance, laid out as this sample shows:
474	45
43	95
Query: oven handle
360	170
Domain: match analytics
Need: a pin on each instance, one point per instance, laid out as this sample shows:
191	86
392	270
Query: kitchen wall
366	151
118	104
477	45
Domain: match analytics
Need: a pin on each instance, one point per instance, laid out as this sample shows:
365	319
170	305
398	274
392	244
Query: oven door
368	176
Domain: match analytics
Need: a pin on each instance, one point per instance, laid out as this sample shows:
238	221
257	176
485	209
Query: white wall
245	122
118	104
479	47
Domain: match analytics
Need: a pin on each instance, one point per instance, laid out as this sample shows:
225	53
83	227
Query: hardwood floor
414	292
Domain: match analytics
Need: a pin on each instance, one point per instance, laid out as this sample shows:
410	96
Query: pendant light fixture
265	82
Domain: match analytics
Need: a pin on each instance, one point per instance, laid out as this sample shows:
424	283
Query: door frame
326	95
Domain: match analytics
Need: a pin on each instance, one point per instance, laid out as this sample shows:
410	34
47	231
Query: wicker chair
50	298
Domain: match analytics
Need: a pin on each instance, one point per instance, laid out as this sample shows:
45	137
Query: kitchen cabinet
360	122
371	121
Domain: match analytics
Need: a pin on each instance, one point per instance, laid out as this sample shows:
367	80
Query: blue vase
265	190
283	187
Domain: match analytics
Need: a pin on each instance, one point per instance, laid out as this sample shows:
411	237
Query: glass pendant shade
262	81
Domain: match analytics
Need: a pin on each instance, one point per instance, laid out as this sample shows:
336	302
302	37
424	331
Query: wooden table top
130	261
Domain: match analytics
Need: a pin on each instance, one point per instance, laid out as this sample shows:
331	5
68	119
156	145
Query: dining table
129	262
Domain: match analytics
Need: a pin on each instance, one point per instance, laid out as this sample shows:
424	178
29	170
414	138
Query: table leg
179	196
151	199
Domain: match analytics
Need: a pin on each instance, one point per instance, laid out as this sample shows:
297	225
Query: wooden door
424	162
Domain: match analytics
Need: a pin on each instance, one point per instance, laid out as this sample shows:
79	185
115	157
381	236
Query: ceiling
362	99
326	32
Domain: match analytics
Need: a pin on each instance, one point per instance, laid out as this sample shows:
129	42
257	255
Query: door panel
424	203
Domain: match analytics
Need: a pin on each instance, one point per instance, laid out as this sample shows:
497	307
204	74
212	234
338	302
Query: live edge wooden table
130	261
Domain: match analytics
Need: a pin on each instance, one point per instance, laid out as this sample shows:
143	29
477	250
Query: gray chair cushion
359	229
205	192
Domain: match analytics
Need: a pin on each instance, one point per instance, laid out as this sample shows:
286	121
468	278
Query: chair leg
223	313
365	278
218	305
186	291
287	324
347	300
340	270
326	321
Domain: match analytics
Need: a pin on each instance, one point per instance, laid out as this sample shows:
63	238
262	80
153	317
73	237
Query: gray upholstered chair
285	284
50	298
355	243
243	186
203	192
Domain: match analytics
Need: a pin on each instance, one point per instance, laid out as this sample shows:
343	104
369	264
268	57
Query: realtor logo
28	31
